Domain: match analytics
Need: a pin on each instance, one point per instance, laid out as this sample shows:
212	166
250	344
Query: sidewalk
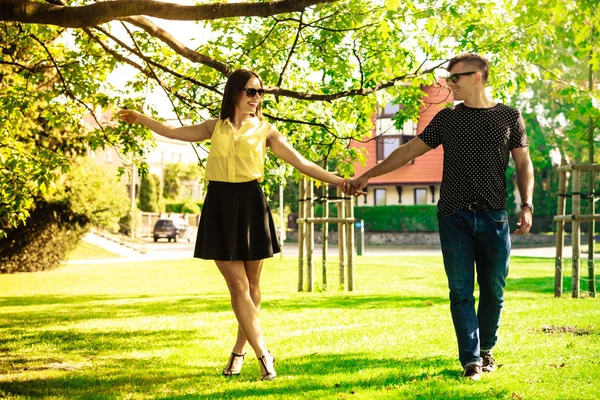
127	254
544	252
289	249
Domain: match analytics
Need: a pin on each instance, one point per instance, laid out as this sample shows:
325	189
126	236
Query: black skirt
236	224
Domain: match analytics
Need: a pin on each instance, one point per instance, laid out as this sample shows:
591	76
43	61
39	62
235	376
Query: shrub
90	190
177	207
51	232
149	193
85	195
173	207
190	208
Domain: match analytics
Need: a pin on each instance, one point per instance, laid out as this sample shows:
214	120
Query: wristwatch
528	205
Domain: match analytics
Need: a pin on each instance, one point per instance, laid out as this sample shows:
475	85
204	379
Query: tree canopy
326	64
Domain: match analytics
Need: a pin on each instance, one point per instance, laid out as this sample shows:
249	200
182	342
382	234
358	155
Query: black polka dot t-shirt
477	143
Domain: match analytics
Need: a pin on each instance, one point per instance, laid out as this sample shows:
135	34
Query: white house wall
392	198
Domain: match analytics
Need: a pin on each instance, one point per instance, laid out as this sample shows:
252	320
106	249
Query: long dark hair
233	90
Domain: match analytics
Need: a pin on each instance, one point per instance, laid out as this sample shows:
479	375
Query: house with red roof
418	182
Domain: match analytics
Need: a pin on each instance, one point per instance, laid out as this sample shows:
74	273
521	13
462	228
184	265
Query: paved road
164	250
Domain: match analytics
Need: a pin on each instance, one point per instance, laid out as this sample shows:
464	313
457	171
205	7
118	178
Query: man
477	136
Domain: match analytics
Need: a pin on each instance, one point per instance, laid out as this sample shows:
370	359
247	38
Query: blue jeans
468	239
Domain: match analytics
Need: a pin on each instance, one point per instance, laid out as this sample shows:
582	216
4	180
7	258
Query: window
389	138
379	197
420	196
108	156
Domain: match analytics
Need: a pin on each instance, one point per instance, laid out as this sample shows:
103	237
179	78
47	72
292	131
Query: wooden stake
591	237
576	199
341	209
350	244
325	235
560	234
310	236
301	230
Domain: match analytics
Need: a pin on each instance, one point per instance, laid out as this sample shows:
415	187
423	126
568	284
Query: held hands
130	116
354	187
524	221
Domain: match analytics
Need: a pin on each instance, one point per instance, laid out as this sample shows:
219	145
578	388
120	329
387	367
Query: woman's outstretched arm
282	149
192	133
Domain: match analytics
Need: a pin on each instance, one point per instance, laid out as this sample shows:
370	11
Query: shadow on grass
380	301
93	343
535	285
546	284
309	376
67	309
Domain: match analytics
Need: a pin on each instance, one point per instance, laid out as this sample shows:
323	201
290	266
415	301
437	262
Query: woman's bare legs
243	281
253	270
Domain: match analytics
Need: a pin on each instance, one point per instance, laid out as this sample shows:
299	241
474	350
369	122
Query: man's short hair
474	60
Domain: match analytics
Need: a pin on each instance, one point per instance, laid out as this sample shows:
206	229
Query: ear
479	75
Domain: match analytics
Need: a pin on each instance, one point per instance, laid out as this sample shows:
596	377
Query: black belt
480	207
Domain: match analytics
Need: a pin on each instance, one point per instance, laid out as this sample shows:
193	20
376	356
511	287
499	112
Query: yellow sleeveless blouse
237	156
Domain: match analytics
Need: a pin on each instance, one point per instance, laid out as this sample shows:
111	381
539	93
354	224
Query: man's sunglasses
455	77
251	92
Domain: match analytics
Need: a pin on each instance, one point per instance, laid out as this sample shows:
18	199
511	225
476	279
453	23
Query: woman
236	227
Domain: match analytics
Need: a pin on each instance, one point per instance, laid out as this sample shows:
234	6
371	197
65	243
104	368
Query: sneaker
472	371
489	364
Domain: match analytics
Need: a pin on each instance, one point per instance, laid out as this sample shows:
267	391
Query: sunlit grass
165	329
87	251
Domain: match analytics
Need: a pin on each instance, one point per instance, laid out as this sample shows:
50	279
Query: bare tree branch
32	11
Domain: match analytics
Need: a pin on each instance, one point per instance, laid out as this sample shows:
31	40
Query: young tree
150	193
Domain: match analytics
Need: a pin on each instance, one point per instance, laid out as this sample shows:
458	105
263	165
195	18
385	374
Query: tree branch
177	46
68	91
247	51
32	11
352	92
300	122
291	52
146	71
151	62
360	66
194	56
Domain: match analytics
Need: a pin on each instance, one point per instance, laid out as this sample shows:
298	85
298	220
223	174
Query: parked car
171	228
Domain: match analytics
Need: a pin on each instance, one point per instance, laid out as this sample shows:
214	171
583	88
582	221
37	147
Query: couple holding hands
237	231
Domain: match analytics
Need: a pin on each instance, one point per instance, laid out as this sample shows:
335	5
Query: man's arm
525	183
397	159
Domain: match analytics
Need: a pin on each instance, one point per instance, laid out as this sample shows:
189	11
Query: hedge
391	218
177	207
398	218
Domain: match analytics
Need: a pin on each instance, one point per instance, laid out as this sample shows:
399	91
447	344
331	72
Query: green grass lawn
164	330
87	251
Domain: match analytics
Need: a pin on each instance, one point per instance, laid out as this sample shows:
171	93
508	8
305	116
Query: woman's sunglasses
455	77
251	92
